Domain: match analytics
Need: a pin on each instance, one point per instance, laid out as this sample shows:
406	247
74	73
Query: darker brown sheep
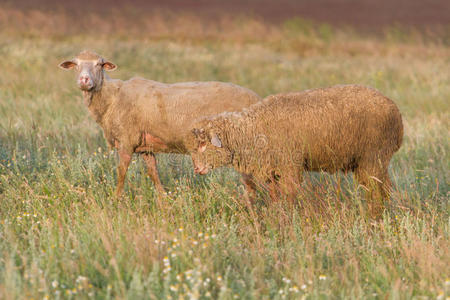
346	127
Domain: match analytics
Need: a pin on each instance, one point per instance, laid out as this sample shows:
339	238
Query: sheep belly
150	143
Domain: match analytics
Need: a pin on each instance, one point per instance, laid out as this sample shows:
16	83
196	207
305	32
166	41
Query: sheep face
207	151
90	70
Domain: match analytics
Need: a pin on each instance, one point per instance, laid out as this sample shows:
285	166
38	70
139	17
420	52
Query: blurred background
155	18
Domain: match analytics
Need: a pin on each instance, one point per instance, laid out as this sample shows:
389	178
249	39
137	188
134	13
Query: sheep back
165	112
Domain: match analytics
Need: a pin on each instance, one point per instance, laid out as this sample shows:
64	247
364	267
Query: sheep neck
99	100
233	137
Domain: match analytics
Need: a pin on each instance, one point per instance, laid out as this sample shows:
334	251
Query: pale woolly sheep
146	117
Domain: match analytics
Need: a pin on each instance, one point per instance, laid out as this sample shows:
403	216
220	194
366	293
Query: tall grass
63	235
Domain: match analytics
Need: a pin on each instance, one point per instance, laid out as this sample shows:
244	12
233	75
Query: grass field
64	236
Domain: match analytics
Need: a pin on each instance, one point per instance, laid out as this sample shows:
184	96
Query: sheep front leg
289	184
250	187
152	171
274	189
124	162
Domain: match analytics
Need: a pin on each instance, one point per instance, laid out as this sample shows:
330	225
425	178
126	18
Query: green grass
63	235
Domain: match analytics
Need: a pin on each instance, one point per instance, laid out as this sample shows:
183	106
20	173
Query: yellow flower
294	289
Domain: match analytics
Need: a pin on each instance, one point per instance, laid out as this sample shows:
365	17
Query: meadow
63	235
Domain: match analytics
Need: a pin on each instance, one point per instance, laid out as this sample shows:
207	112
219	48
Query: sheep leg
289	184
250	187
124	162
274	188
386	187
152	171
377	183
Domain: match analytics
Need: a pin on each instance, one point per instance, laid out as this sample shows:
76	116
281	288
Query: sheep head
207	150
90	69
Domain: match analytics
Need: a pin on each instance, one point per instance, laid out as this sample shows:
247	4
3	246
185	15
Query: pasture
64	236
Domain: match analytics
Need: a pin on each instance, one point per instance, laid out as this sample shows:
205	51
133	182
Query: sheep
345	127
145	116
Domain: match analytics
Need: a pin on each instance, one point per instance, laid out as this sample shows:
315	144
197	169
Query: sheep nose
84	79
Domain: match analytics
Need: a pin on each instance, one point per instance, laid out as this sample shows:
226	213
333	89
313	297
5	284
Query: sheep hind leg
273	186
250	188
124	162
377	184
152	171
386	187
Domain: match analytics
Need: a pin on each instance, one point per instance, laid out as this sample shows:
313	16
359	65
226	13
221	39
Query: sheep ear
68	64
195	132
199	133
216	141
109	66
